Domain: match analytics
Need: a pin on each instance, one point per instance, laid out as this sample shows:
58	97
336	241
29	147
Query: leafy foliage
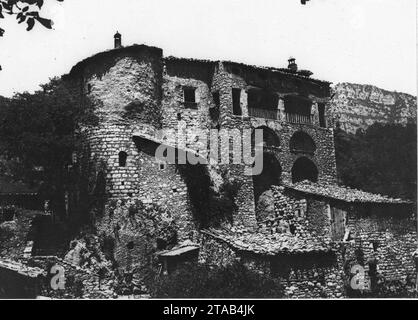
381	159
199	281
25	11
39	131
212	206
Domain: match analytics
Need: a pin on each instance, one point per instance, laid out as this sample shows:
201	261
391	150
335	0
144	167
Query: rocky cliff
356	106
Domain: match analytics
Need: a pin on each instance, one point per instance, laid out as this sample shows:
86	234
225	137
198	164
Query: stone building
150	208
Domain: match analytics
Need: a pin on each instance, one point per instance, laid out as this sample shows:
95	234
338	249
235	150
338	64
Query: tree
25	11
381	159
201	281
40	131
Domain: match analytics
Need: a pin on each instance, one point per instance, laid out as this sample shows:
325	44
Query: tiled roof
108	53
168	144
278	70
267	244
342	193
21	268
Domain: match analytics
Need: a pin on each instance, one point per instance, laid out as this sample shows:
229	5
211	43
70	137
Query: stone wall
389	240
313	275
125	86
78	282
357	106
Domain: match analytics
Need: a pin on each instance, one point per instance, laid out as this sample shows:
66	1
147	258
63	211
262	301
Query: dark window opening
375	245
214	112
301	142
297	109
178	116
130	245
161	165
236	102
122	158
304	169
262	103
189	95
321	113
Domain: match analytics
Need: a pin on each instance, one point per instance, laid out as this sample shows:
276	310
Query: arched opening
270	138
304	169
262	184
122	158
301	142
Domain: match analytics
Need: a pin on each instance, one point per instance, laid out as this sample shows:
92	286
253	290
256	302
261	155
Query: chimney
292	64
118	40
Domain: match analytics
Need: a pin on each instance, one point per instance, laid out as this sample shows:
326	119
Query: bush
7	213
198	281
383	159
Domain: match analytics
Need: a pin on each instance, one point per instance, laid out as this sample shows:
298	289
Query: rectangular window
189	97
321	113
236	102
161	165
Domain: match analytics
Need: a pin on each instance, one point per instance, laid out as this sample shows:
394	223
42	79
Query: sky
359	41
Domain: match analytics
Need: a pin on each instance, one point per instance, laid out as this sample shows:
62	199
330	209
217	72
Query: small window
130	245
375	245
189	95
236	102
161	165
122	158
321	114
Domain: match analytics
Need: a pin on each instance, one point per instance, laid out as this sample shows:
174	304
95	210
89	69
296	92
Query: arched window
304	169
301	142
270	138
122	158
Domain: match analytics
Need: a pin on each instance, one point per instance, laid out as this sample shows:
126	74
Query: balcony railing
275	115
263	113
298	118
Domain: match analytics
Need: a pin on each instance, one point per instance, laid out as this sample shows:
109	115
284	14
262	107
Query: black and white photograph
208	149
